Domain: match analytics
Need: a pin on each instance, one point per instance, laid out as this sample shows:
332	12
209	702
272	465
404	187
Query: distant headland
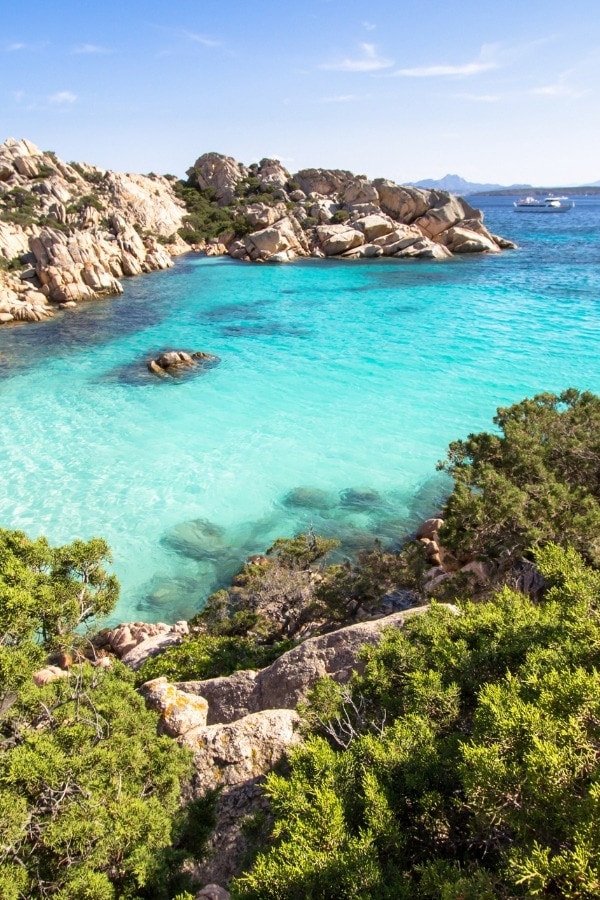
70	231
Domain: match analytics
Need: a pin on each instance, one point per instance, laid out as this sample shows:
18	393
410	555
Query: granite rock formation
70	231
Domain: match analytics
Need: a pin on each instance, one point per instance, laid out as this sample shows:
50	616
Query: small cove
344	379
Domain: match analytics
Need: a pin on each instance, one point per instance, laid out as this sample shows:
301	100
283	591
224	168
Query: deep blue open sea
340	386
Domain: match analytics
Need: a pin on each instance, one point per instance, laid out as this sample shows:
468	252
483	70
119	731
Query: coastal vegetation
461	763
89	795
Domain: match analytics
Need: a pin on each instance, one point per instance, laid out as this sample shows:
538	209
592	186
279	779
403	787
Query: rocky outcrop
134	642
78	229
333	213
173	362
219	173
239	727
287	681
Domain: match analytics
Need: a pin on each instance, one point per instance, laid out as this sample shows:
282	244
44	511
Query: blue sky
504	92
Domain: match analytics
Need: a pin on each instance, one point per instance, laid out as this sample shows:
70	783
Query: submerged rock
362	498
198	539
309	498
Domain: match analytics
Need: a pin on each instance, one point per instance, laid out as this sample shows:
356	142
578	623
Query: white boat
549	204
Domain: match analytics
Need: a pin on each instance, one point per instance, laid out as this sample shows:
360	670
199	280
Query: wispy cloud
89	49
62	98
369	26
17	46
369	61
443	71
560	89
18	96
480	98
341	98
199	38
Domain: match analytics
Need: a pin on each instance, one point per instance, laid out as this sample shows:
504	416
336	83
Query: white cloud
473	68
86	49
18	96
340	98
369	26
199	38
62	97
15	46
557	90
480	98
369	62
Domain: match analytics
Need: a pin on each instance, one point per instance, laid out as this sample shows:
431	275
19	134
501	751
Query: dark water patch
173	597
72	331
429	498
234	311
360	498
268	329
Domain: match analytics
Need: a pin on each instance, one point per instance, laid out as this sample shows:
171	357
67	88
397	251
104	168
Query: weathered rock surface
174	361
82	228
251	723
180	713
134	642
287	681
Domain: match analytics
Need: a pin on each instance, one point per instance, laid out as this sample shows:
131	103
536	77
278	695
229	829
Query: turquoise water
344	379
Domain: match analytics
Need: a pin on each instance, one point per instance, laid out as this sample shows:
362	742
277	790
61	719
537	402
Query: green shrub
342	215
535	481
89	796
463	764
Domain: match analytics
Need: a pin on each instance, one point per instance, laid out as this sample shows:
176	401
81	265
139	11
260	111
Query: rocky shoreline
70	231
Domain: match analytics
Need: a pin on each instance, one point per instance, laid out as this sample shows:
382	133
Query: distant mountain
457	185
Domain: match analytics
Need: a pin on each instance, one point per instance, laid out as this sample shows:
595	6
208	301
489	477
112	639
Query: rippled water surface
340	386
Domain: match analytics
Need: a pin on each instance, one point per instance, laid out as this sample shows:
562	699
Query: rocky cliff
70	231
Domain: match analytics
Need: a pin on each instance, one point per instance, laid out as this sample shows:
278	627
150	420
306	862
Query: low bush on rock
464	763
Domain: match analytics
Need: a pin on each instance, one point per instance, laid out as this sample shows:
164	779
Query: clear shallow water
347	378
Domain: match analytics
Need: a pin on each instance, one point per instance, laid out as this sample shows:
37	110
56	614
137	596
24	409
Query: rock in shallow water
178	362
309	498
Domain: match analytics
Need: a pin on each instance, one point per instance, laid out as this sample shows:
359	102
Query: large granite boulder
334	240
323	181
221	173
281	242
448	211
146	199
287	681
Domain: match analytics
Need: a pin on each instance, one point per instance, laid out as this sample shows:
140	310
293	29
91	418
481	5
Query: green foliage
89	796
86	200
205	218
10	265
347	585
95	176
302	550
342	215
19	206
92	791
536	481
471	765
202	656
309	222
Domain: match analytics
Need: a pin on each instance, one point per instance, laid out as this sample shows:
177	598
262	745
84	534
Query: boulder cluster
240	726
325	213
69	232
